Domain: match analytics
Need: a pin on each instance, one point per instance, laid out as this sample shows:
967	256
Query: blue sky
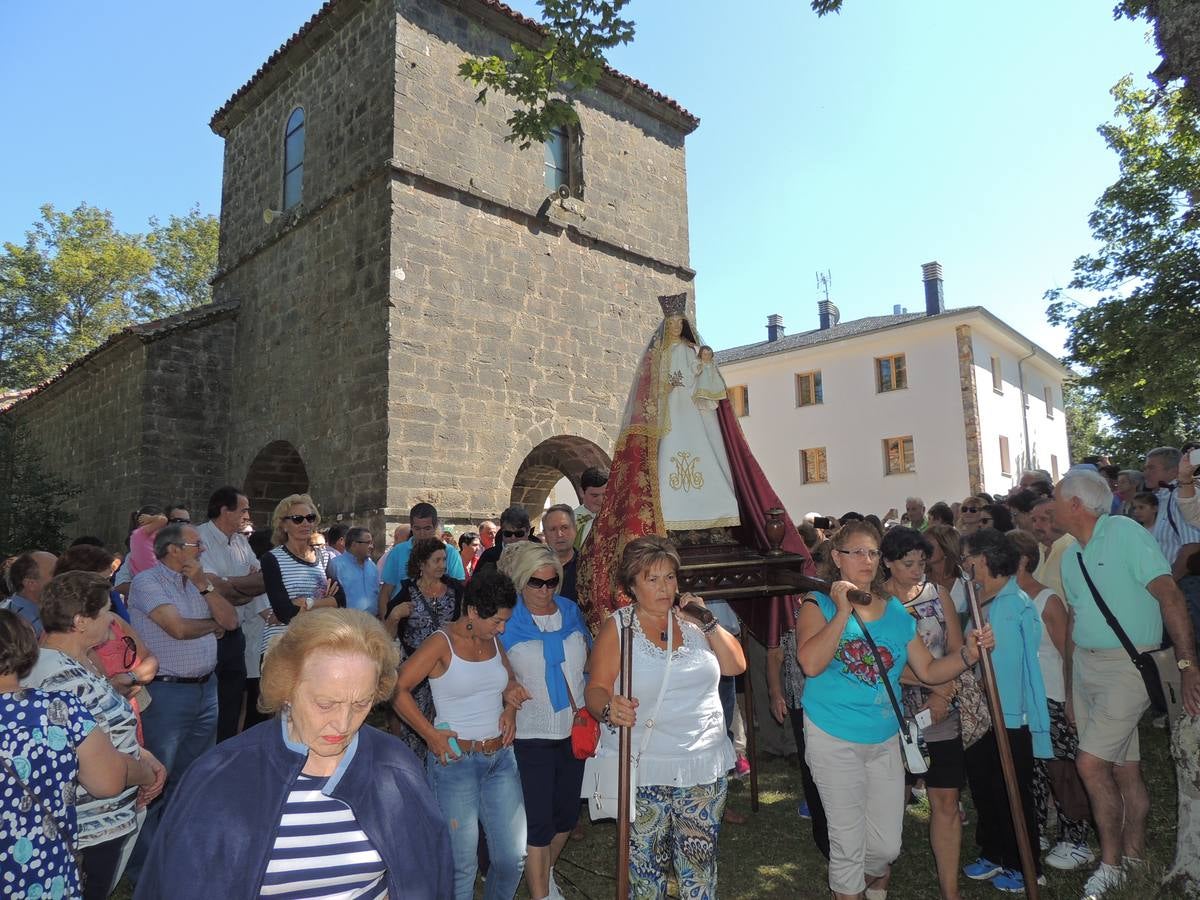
862	144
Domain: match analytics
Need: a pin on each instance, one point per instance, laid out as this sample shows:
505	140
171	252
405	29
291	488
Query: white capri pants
862	789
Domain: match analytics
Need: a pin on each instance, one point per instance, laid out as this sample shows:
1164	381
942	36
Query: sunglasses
513	534
971	509
130	656
551	582
296	520
180	521
861	553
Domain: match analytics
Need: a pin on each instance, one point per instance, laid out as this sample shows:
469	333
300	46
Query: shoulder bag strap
1108	613
33	796
882	672
662	691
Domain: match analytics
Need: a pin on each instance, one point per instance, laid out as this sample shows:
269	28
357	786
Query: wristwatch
1183	665
208	589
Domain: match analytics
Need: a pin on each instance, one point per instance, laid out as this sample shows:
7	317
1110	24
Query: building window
898	455
739	399
1048	394
1005	458
563	162
808	389
293	159
812	466
890	373
1054	466
997	377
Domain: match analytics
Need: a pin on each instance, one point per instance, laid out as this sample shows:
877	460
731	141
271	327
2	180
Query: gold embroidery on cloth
686	475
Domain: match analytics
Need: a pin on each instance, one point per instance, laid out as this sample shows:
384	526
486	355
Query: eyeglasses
180	521
130	656
363	542
197	544
861	553
551	582
971	509
513	534
296	520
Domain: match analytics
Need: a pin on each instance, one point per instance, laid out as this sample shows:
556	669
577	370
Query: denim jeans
180	725
475	790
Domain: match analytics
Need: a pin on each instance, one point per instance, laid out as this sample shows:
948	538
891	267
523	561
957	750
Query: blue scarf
521	627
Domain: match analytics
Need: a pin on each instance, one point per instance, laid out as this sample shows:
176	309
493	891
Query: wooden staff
1028	864
624	764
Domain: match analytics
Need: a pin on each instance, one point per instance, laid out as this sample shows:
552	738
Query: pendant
662	636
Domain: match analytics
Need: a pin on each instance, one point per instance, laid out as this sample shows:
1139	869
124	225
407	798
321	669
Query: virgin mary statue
681	469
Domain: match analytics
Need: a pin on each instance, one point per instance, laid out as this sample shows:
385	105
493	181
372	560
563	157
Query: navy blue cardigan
216	836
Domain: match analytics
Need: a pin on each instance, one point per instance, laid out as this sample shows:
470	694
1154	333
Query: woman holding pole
678	729
850	729
993	560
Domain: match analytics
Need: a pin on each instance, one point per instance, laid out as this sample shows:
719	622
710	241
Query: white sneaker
555	893
1103	880
1067	856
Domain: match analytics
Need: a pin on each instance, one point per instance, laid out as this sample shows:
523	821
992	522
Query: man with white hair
1175	535
1030	477
915	507
1106	692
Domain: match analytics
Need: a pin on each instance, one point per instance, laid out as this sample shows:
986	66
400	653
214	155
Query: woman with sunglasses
547	643
970	511
906	553
77	614
850	729
292	572
427	599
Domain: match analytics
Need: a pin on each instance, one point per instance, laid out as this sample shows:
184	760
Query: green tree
545	79
1086	434
76	280
1137	343
185	258
32	501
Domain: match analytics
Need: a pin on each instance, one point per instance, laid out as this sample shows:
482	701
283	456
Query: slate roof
328	9
143	331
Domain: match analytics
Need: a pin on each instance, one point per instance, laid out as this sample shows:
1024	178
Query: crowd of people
190	714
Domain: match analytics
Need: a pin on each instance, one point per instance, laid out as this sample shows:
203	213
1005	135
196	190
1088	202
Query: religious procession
397	533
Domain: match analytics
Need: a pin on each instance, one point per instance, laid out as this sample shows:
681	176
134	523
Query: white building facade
861	415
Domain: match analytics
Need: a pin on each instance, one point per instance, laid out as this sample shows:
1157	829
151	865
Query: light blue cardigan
1018	629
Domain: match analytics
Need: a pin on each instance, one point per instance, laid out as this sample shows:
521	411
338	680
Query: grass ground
773	856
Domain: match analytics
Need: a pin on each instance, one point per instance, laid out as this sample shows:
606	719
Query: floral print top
40	733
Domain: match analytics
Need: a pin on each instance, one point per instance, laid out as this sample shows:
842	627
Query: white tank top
468	696
1048	656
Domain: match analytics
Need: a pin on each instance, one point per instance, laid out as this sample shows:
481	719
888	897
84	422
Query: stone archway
276	472
548	462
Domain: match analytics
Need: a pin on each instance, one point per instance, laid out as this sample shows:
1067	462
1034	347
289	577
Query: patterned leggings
1057	778
676	828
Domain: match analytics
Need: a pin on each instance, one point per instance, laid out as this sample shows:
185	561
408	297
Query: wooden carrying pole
1028	864
624	765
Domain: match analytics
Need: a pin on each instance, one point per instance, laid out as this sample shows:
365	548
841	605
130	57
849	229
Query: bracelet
710	627
1188	482
962	651
604	714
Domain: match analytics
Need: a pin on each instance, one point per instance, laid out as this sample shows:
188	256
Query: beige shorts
1110	698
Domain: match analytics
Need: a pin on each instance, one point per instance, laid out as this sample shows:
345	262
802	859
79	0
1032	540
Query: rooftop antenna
823	279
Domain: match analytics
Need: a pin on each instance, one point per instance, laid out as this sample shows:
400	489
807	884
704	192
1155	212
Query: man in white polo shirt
233	570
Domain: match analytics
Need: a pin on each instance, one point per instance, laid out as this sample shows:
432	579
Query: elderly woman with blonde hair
547	642
292	571
311	799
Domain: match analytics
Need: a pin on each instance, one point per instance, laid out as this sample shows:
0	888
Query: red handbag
585	730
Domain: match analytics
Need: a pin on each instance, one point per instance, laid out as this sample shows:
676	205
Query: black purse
1143	662
916	762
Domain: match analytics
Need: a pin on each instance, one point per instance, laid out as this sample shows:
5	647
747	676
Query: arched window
293	159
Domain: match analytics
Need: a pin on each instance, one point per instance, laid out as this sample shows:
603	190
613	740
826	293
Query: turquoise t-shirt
1122	557
848	700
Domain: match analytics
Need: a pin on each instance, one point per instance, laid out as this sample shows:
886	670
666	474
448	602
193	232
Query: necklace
662	634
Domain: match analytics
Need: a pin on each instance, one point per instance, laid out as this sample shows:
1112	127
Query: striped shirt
1172	529
320	853
286	576
191	658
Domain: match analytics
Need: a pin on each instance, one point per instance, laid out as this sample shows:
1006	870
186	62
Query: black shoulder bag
914	760
1143	662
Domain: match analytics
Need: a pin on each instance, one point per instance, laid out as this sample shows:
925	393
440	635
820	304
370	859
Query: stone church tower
408	306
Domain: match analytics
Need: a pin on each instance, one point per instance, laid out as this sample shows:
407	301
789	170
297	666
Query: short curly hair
642	553
488	592
333	630
72	594
18	645
422	551
85	558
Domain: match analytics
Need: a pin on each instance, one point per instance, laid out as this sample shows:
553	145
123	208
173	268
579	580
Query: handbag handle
33	795
882	672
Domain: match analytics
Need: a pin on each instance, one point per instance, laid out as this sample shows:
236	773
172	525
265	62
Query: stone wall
972	433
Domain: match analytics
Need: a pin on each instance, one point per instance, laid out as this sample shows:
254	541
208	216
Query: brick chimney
935	302
774	327
828	314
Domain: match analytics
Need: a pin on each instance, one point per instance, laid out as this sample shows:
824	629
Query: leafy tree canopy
544	80
1138	342
76	280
